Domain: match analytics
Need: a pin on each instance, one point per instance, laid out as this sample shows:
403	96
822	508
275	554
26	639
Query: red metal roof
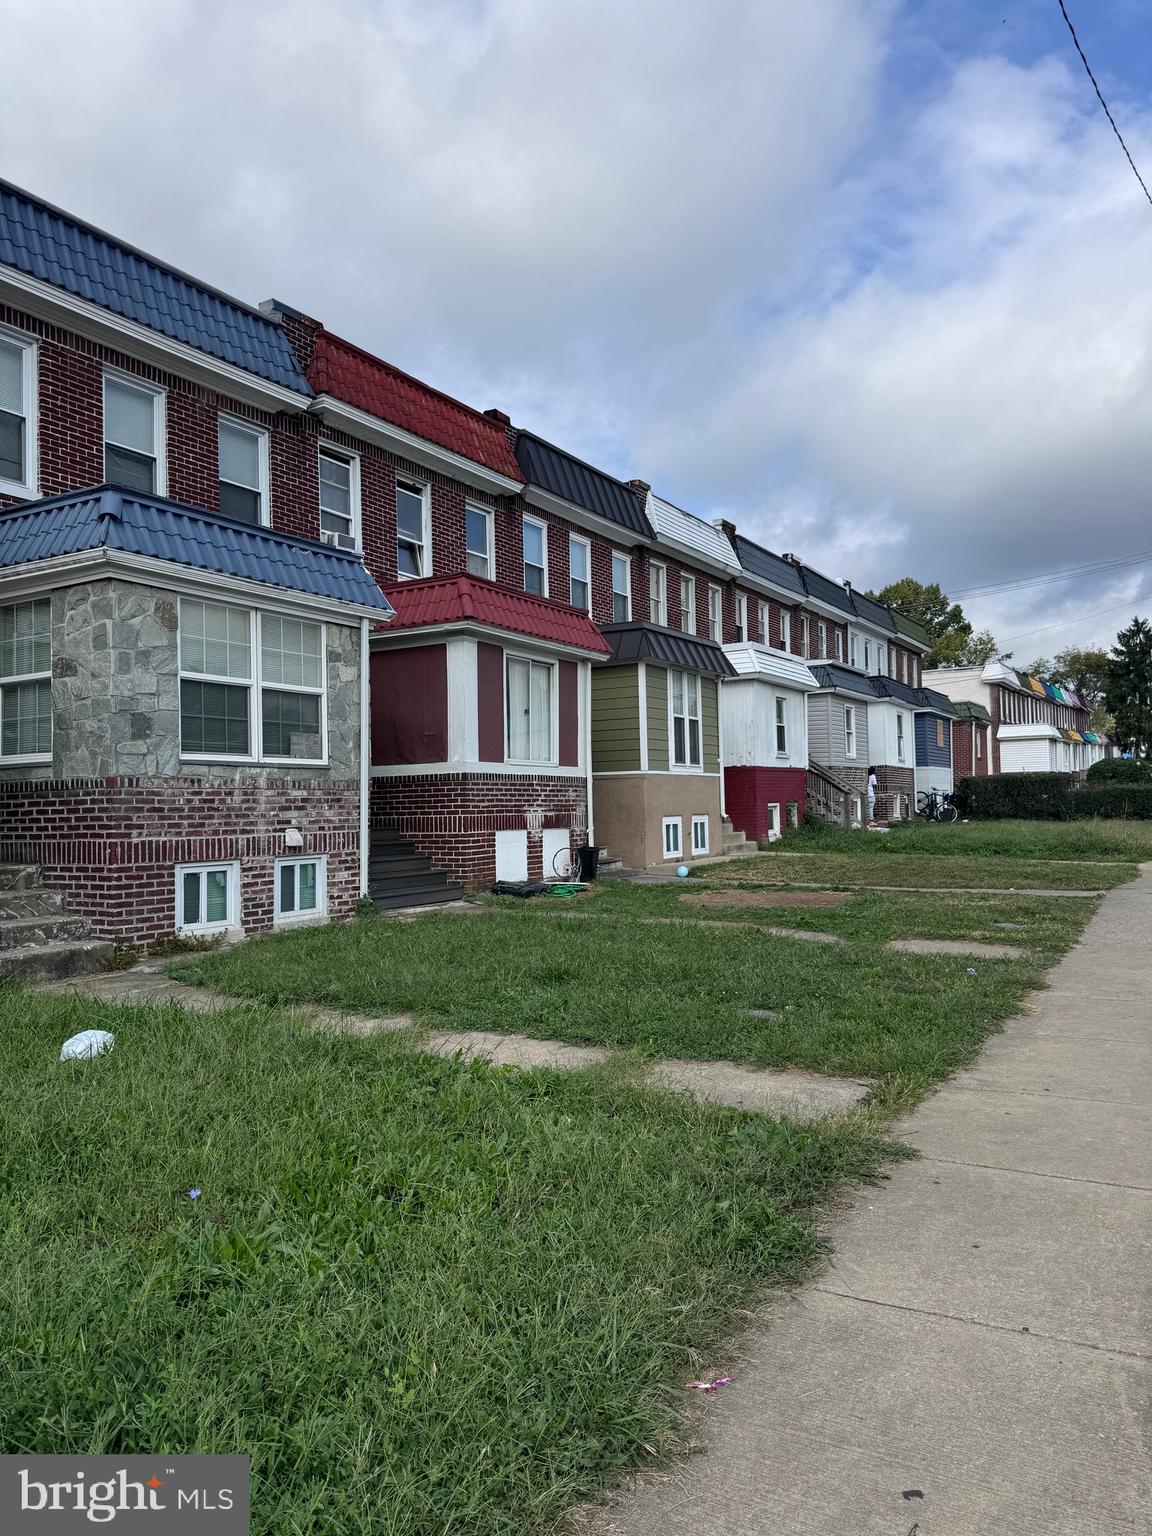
471	600
357	378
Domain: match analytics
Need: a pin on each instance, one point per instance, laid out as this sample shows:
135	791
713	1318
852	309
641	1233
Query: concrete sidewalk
978	1356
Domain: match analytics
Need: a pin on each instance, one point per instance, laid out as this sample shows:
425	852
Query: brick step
42	962
420	898
18	932
36	902
19	877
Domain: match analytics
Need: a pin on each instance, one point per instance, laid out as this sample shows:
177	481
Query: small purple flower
193	1194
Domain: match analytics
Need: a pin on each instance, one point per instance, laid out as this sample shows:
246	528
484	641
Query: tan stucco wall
629	811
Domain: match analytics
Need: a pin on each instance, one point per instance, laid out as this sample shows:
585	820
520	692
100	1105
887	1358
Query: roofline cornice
420	450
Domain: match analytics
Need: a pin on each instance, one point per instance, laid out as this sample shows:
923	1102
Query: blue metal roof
558	472
46	243
109	517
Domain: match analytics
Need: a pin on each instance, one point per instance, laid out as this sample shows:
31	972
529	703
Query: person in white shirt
873	786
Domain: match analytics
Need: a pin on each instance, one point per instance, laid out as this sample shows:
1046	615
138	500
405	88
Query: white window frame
901	739
622	562
854	649
904	666
979	743
762	621
850	743
658	593
332	451
785	629
773	817
29	375
489	553
159	424
421	489
893	662
574	539
688	609
805	636
822	639
781	724
867	657
699	847
256	686
553	711
17	759
535	522
232	923
838	644
715	613
317	913
689	765
666	825
238	423
742	617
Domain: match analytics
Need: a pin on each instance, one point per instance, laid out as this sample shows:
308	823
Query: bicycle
933	806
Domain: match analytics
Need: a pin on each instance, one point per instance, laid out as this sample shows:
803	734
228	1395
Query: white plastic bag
85	1045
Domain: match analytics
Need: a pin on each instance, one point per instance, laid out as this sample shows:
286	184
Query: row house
1033	726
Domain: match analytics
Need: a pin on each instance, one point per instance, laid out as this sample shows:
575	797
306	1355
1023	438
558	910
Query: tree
1085	670
1128	694
953	643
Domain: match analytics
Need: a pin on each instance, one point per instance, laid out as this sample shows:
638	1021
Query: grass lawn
877	860
425	1297
1127	841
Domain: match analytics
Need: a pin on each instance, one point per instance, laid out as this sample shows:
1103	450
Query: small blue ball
683	871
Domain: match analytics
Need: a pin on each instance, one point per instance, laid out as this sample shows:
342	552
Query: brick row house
1030	725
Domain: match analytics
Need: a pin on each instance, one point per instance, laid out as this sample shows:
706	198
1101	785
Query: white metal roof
752	660
691	536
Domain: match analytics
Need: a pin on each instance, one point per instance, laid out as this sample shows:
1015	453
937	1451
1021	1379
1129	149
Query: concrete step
36	962
18	932
36	902
19	877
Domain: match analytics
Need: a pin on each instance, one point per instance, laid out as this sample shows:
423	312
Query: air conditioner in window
339	540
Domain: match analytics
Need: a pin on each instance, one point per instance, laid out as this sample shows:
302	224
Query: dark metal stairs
400	876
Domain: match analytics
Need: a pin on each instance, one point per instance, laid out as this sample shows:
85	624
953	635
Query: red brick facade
748	792
966	760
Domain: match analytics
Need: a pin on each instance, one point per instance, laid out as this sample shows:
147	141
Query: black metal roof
872	612
843	679
758	561
551	469
918	698
834	593
653	642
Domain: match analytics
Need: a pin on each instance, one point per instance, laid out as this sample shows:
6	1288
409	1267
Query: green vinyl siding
710	724
615	720
657	718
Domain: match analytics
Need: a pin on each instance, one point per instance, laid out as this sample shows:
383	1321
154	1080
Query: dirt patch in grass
767	898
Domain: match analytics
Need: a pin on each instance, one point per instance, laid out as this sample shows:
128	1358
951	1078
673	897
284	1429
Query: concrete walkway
978	1356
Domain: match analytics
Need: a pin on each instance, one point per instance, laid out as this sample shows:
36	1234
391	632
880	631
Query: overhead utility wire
1103	103
1079	618
1067	573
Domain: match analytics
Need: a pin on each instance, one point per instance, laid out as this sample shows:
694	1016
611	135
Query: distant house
1034	726
971	740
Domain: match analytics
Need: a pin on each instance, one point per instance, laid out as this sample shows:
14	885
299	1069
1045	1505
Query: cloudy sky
869	276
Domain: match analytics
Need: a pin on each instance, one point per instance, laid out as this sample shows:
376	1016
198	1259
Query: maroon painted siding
410	705
748	792
569	710
490	701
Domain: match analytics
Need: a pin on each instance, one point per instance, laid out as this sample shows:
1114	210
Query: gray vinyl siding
615	721
826	731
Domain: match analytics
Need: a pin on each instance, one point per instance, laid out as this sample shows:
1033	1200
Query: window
785	629
535	557
300	891
893	660
684	691
781	727
741	617
621	589
220	668
671	831
26	680
412	554
904	665
529	710
805	635
133	433
774	819
579	566
339	498
979	744
243	472
206	897
868	657
688	604
939	733
658	593
838	644
899	738
715	621
822	639
478	541
849	730
699	834
762	624
17	414
853	648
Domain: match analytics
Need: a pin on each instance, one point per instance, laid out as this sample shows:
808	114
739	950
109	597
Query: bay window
529	694
684	706
26	680
17	414
133	434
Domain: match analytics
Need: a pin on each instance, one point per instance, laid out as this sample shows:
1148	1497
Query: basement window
699	834
300	889
207	898
671	829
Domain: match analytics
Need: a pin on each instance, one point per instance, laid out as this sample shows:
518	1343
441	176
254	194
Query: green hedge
1120	770
1129	802
1023	796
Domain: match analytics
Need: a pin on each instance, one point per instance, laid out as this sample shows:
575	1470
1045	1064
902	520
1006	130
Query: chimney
641	487
301	330
846	584
726	528
500	416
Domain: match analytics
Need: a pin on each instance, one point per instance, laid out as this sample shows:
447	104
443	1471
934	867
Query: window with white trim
805	636
529	696
26	680
715	613
658	593
579	572
670	831
940	733
300	889
849	730
742	617
781	727
535	557
413	553
853	649
684	709
900	749
699	834
785	629
762	624
243	454
478	541
822	639
339	475
838	644
868	657
773	817
688	604
133	434
229	655
893	662
621	588
207	898
979	743
17	414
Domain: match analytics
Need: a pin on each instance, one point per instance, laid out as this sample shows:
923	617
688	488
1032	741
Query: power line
1080	618
1045	578
1103	103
